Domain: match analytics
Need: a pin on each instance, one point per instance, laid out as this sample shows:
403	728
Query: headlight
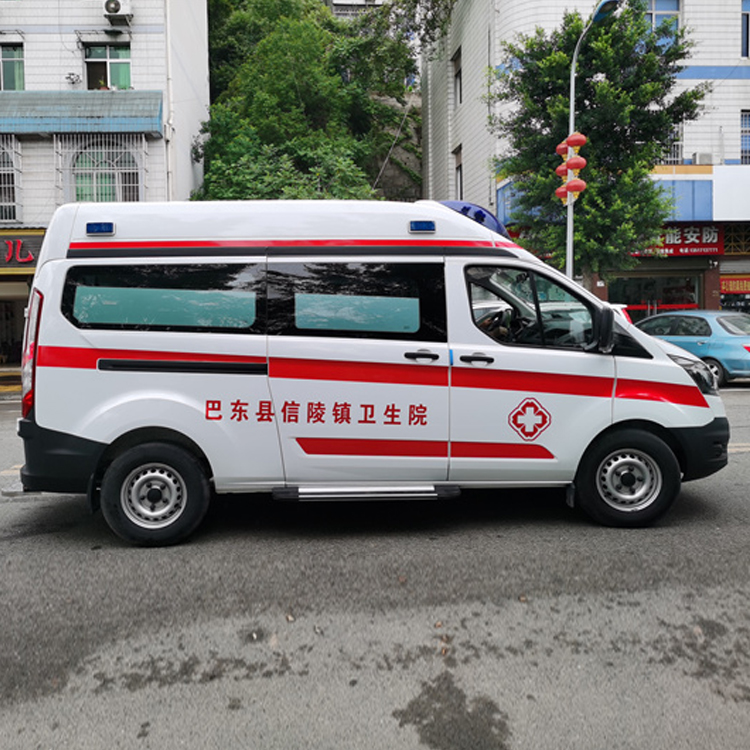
699	372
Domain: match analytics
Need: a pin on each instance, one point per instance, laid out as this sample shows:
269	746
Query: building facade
100	100
705	258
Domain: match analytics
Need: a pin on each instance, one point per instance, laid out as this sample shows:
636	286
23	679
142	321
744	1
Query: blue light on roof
100	227
421	226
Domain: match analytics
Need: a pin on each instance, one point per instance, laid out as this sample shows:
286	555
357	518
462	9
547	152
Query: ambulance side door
528	392
358	368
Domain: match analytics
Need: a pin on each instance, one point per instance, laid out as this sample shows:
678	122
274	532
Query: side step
366	492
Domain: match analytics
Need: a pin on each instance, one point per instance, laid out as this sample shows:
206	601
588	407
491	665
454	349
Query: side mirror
605	330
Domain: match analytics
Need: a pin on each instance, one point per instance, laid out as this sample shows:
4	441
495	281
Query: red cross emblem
530	419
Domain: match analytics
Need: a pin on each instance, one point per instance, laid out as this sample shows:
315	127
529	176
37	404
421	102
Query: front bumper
704	448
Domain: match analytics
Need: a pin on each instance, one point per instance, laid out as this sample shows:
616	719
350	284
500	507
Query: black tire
717	369
155	494
627	478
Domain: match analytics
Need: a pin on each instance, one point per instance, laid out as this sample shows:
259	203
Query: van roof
178	229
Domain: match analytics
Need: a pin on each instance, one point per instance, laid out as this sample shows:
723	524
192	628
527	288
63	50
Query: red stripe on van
358	372
419	448
533	382
347	447
260	244
672	393
84	358
499	450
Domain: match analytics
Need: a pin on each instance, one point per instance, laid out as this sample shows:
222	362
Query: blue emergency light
422	226
100	227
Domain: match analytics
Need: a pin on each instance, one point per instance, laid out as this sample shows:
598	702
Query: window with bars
107	66
745	136
10	174
102	168
11	67
674	153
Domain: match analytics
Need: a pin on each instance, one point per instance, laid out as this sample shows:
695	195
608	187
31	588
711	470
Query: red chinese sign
19	252
317	412
688	239
735	284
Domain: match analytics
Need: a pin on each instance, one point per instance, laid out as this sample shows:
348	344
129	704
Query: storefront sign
735	284
19	251
683	240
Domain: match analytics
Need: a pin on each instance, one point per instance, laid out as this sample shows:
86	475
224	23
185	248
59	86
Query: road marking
739	448
10	472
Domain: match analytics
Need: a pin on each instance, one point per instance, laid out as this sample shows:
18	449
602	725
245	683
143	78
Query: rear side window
213	298
357	300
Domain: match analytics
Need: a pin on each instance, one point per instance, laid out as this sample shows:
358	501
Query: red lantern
576	163
562	193
576	140
562	171
562	150
576	186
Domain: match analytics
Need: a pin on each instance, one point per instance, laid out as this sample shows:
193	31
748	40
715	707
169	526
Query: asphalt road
495	622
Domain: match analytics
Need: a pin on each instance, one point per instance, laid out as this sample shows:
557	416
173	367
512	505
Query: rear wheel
155	494
719	372
628	478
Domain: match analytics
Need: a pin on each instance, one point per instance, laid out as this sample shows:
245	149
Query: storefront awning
34	112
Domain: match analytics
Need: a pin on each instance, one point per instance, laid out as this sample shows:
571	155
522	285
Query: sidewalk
10	380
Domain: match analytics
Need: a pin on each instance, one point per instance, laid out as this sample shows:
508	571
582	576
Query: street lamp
604	9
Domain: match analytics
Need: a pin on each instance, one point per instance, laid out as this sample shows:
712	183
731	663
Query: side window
691	327
209	298
521	307
358	300
657	326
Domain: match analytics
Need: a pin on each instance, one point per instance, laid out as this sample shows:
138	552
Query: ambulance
339	350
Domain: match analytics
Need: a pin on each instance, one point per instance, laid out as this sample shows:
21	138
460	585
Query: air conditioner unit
703	158
118	12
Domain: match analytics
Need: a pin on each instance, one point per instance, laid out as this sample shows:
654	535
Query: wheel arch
138	437
651	427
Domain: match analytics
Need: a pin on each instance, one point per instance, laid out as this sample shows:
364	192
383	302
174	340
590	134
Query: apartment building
705	258
100	100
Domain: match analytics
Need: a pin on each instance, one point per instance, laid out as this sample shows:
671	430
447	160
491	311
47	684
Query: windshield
739	325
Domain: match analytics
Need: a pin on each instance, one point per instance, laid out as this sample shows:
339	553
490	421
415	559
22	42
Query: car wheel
719	372
627	478
155	494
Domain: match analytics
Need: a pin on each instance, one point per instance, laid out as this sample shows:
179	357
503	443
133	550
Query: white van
338	350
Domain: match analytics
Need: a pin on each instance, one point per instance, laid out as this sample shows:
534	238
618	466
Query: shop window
107	66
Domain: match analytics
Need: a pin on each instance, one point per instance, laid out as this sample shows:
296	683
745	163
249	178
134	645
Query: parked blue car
720	338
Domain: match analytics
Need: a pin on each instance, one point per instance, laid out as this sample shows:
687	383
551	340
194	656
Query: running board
366	492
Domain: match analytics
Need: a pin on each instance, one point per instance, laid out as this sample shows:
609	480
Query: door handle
477	358
422	355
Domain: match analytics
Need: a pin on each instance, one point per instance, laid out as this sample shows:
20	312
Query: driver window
520	307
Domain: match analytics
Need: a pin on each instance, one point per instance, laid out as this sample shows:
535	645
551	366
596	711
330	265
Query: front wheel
154	494
628	478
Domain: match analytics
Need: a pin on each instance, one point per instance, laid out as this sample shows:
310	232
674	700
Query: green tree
628	106
315	98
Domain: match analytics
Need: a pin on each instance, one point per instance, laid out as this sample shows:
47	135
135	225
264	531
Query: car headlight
699	372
